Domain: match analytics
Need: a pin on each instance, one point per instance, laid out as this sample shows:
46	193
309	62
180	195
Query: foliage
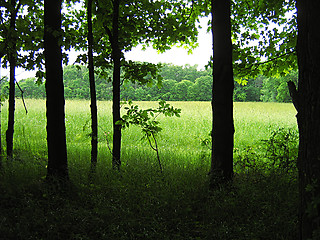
142	203
282	149
277	154
32	88
29	25
275	89
146	120
246	160
250	92
4	89
175	83
264	37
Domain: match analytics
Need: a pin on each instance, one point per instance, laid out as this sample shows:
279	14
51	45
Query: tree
56	132
19	17
222	94
132	24
263	37
31	88
202	89
116	83
93	96
12	56
181	90
307	103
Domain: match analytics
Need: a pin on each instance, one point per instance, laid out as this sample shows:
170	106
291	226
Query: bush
282	149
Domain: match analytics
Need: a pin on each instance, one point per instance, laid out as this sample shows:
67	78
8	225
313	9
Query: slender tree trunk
10	130
307	102
93	97
222	94
116	55
12	61
56	132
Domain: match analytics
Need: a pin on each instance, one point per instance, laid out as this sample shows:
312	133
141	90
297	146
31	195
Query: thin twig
157	150
277	57
24	104
190	11
108	143
256	65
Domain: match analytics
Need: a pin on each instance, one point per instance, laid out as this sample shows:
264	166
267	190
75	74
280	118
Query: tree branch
294	95
256	65
192	5
109	34
277	57
155	149
22	92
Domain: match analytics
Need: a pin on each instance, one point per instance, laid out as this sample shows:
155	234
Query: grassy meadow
179	139
139	202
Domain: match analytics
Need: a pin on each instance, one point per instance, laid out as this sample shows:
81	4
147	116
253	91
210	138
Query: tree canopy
197	85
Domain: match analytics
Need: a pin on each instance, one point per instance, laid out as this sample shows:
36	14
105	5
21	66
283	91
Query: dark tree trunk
56	132
116	55
10	130
12	55
93	97
307	103
222	94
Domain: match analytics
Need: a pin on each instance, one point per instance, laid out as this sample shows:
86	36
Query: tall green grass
139	202
179	141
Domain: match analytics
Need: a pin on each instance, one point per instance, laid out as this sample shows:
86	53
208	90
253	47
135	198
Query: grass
253	122
141	203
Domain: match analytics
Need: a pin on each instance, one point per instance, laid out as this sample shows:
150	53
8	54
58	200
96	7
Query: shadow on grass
144	204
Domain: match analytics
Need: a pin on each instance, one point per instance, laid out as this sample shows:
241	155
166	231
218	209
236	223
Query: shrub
282	149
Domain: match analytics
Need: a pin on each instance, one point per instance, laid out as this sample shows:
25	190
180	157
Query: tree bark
93	97
222	94
12	56
11	107
56	132
307	102
116	55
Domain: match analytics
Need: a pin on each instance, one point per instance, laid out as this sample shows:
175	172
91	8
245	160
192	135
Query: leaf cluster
22	23
144	73
146	119
264	37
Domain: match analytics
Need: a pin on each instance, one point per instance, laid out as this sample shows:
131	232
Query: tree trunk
307	102
56	132
116	55
222	94
11	108
12	55
93	97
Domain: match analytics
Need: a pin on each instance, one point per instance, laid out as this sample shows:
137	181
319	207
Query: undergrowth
141	203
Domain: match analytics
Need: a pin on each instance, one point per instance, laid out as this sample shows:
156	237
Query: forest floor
140	202
146	205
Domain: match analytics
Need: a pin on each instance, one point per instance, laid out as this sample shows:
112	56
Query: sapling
146	120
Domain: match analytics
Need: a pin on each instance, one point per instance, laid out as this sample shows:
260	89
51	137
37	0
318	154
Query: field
141	203
180	138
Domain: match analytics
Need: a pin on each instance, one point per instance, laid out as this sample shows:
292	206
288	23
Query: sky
177	56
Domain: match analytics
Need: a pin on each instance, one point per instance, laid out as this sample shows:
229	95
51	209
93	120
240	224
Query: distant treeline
180	83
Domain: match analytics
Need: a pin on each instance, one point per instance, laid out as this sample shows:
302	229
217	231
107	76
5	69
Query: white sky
177	56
